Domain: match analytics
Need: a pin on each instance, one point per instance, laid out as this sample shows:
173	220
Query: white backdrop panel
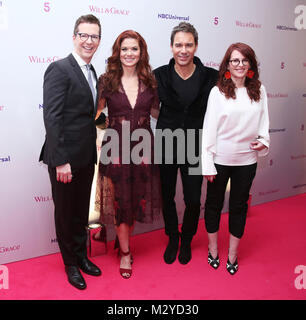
36	32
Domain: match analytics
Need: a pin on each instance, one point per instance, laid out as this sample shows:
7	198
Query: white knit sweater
230	125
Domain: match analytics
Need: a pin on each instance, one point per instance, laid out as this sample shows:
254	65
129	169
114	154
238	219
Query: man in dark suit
69	99
183	88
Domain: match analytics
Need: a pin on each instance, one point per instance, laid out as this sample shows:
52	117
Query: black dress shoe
75	278
185	250
88	267
172	248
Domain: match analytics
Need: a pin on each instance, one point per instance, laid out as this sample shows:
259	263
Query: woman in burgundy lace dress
128	181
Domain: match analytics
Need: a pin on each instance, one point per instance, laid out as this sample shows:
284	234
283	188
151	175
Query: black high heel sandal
232	268
213	262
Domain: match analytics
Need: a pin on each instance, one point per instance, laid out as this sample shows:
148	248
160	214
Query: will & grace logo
109	11
300	20
1	108
265	193
5	159
300	156
248	24
4	250
212	64
168	16
36	59
4	278
43	198
277	95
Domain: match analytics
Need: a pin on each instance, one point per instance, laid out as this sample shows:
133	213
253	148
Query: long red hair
112	77
227	86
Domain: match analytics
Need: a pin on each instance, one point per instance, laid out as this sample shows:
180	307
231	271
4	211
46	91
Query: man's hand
63	173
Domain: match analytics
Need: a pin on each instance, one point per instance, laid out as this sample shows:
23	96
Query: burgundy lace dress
127	191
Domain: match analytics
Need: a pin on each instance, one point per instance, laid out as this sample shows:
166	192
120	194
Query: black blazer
69	113
173	114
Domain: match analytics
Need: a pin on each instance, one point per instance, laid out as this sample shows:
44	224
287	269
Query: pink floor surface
273	246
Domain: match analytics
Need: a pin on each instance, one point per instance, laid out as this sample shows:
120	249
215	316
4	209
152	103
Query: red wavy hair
112	77
227	86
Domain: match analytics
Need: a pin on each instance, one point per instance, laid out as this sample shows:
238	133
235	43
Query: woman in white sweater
235	132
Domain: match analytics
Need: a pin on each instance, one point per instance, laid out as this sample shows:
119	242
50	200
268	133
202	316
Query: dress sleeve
263	130
209	134
155	105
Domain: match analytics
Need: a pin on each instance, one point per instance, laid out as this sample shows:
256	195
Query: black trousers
192	185
241	178
71	202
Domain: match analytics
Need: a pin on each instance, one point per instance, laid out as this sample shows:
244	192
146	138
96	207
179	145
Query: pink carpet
273	246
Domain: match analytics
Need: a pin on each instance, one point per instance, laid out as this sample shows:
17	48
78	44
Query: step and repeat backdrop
35	33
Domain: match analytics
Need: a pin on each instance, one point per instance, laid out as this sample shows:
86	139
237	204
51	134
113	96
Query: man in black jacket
69	99
183	87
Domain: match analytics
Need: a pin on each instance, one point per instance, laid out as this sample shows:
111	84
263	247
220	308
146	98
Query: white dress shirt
230	125
83	67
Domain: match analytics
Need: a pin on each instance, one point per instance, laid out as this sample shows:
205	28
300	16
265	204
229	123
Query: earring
227	75
250	74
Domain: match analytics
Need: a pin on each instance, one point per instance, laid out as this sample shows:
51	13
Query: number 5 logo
47	6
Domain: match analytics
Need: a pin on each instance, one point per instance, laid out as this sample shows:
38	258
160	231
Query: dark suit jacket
173	114
69	113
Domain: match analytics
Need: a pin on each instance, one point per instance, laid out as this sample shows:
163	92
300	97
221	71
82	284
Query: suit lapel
80	75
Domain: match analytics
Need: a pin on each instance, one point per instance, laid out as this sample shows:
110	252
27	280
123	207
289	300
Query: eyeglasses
85	36
236	62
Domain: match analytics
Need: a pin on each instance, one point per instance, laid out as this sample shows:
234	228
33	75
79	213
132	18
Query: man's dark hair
185	27
89	18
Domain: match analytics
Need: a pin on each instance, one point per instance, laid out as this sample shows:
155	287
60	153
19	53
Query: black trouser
241	178
71	202
192	185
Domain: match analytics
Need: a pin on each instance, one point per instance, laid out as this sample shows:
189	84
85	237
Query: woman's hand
256	145
210	178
